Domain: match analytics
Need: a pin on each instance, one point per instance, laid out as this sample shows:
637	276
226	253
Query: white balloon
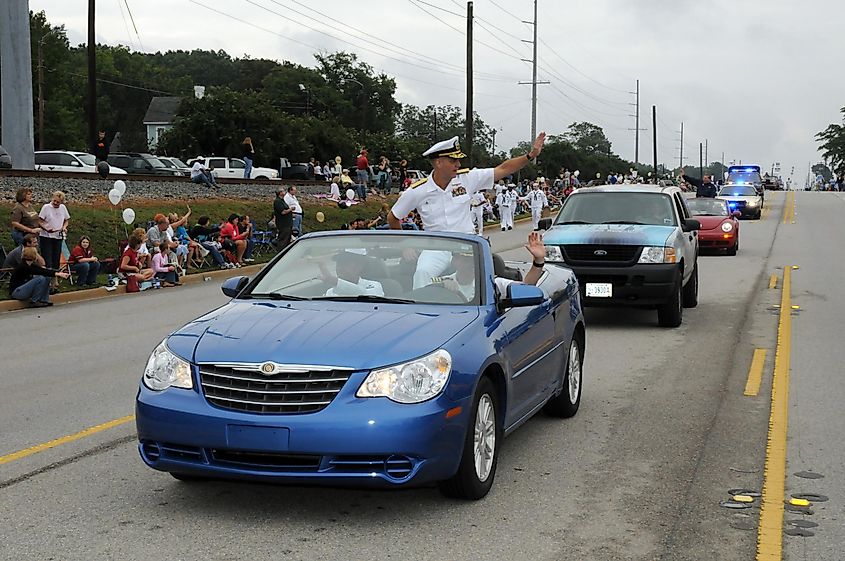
120	187
128	215
633	173
350	194
577	173
114	196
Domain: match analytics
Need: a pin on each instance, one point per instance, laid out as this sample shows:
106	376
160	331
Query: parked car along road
743	198
233	168
629	245
719	224
75	162
177	164
329	367
137	163
5	159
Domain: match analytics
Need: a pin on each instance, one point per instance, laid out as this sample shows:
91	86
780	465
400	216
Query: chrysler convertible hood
608	234
329	333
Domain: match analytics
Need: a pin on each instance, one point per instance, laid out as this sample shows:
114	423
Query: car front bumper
715	239
638	285
353	441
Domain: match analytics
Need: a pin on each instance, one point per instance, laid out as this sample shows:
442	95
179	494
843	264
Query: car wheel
758	215
480	455
691	289
732	251
261	178
671	313
567	402
188	478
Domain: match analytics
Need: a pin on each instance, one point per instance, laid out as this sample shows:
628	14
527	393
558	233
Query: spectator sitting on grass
206	235
84	263
31	281
144	260
245	227
162	268
334	191
160	233
229	232
129	261
14	257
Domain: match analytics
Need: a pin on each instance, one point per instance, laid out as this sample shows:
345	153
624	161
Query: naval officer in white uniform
443	198
537	200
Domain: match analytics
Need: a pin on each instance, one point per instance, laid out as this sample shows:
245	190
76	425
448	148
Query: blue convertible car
336	365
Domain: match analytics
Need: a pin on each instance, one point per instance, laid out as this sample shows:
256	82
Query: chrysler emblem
600	253
268	368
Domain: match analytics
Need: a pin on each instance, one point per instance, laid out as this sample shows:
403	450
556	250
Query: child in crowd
163	268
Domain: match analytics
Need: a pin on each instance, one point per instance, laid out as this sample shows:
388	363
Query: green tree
832	144
823	170
587	137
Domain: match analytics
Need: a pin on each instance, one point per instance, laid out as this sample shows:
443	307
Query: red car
719	225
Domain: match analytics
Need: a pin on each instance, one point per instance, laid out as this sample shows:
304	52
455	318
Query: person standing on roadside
283	215
101	148
249	157
54	219
25	219
363	174
703	187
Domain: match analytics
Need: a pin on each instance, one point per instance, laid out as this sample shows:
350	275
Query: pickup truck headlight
411	382
553	253
274	174
165	369
754	203
654	254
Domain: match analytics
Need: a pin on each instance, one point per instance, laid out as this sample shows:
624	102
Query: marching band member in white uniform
477	204
443	198
503	201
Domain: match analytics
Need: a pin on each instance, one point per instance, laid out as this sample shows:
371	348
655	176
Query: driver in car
462	281
349	265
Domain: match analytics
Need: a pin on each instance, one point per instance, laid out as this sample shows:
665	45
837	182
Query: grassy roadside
102	222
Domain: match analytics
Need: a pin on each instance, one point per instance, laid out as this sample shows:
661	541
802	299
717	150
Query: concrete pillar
16	83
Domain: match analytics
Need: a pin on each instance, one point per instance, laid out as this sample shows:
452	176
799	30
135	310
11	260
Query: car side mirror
545	223
736	213
522	295
233	286
691	225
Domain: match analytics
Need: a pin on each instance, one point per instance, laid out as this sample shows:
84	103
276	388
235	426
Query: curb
100	293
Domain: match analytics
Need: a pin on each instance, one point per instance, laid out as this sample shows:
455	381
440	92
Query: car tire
732	251
186	477
566	403
261	178
690	296
671	313
484	428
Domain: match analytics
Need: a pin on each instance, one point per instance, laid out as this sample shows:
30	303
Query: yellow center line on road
755	373
64	440
770	530
789	208
773	282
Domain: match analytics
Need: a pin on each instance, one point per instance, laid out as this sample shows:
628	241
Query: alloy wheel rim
574	373
484	438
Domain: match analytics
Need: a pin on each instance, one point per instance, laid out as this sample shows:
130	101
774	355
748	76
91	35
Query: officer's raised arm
510	167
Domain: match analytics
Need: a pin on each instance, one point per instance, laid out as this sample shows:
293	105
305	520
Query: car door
236	168
47	161
219	166
689	240
529	342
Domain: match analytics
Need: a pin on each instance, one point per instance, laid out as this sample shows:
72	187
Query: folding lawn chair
64	262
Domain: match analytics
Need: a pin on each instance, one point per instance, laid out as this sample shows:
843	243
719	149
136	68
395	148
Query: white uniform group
506	201
537	200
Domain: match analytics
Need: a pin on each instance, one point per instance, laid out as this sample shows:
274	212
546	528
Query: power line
114	83
566	62
507	12
135	27
125	23
441	9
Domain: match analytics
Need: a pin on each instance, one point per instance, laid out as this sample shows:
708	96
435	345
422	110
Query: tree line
331	109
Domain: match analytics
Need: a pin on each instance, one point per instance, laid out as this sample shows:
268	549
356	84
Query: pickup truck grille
610	255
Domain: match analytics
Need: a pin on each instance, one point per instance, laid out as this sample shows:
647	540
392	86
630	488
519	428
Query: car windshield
87	159
740	177
167	163
155	162
607	207
738	191
707	207
179	163
374	267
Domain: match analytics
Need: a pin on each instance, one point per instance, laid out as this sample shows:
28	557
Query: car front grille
611	255
289	389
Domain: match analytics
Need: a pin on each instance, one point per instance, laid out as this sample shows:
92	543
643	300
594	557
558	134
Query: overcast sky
757	78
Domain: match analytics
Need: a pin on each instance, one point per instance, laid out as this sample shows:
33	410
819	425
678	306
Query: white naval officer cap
446	149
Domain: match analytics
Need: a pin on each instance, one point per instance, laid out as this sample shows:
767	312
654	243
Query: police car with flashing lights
746	175
629	245
743	198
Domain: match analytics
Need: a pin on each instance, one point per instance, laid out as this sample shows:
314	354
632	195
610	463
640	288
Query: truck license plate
599	289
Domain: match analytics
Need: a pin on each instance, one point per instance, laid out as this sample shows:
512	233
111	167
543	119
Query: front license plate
599	289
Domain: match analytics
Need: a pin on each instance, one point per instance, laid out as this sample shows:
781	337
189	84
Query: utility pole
681	157
706	160
41	93
469	117
654	127
92	77
16	83
636	128
701	161
533	81
494	142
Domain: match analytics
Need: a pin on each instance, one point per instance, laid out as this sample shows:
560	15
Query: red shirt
229	230
362	162
80	253
133	259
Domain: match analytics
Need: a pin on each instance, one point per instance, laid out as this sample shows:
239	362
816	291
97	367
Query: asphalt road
663	433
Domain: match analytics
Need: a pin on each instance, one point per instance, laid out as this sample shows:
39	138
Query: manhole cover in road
801	523
809	475
734	505
812	497
746	492
802	532
743	525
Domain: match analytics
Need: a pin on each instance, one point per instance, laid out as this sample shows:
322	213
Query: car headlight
165	369
274	175
727	226
553	253
753	203
654	254
410	382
